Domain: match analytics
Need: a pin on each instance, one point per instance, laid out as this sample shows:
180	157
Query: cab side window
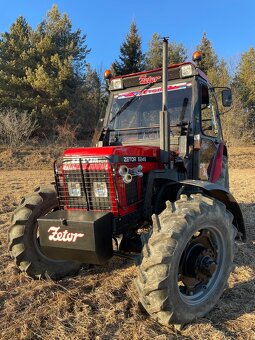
209	110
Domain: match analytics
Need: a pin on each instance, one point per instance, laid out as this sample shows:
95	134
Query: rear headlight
74	189
100	189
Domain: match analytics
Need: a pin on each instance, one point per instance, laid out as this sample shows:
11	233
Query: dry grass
101	302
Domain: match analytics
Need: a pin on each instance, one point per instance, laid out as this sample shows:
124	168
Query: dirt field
101	303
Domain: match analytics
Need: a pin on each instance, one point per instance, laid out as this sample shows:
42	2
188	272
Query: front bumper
82	236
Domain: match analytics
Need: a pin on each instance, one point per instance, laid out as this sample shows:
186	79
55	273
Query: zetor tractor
154	188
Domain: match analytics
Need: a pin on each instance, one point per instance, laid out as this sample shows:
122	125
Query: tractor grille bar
85	183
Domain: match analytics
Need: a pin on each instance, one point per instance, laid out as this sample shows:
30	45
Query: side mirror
226	97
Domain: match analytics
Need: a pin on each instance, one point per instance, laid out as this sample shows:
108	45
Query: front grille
84	184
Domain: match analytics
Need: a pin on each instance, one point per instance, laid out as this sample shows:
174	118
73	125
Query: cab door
213	152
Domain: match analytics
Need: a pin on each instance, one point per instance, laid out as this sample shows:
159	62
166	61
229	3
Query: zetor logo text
62	236
148	80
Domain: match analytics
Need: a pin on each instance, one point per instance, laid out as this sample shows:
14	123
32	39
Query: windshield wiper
130	101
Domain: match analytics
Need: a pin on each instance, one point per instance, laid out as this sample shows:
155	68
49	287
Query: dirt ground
101	303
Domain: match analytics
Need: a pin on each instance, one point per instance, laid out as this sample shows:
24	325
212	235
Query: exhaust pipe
164	120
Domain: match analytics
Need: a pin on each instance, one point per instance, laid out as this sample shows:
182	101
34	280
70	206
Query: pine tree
42	71
153	57
60	69
92	95
219	76
245	80
177	53
16	54
209	57
131	56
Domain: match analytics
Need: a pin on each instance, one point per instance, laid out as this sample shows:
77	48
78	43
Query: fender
223	195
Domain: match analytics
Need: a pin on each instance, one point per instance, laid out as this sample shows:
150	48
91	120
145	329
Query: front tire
186	260
24	242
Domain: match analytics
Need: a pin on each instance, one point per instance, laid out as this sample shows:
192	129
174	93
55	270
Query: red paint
107	151
217	164
131	156
150	71
201	73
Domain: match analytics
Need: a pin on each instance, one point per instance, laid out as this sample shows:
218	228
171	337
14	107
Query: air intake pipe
128	173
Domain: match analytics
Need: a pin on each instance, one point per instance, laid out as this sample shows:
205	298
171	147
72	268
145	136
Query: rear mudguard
222	195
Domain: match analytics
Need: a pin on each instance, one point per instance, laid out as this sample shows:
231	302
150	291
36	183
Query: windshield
138	122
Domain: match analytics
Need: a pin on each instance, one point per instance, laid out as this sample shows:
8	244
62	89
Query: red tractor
154	189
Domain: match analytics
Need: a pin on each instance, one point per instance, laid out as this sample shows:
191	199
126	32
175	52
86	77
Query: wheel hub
198	262
205	265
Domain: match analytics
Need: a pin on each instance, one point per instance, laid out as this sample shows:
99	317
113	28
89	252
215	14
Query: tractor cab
195	133
134	114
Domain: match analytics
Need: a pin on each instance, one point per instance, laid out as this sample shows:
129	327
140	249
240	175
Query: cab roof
155	75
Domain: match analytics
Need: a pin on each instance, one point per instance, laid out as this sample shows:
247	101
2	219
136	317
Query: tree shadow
239	299
248	210
115	263
234	303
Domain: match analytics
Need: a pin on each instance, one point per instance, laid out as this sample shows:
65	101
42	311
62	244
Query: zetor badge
63	236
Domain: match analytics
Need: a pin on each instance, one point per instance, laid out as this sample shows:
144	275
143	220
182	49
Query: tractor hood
118	154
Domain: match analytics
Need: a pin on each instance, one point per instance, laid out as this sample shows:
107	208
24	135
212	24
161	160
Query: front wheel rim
201	266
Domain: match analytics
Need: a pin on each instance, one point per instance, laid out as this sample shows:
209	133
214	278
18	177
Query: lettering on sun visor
154	90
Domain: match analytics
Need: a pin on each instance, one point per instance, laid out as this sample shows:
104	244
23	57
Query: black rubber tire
22	237
158	272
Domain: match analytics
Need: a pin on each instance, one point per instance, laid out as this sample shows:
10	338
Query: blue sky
229	24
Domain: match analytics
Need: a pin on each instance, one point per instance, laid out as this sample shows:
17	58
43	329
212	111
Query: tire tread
171	224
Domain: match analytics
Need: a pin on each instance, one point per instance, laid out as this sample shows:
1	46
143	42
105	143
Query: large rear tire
186	260
24	241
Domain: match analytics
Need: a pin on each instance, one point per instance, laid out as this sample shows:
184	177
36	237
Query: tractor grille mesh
84	185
